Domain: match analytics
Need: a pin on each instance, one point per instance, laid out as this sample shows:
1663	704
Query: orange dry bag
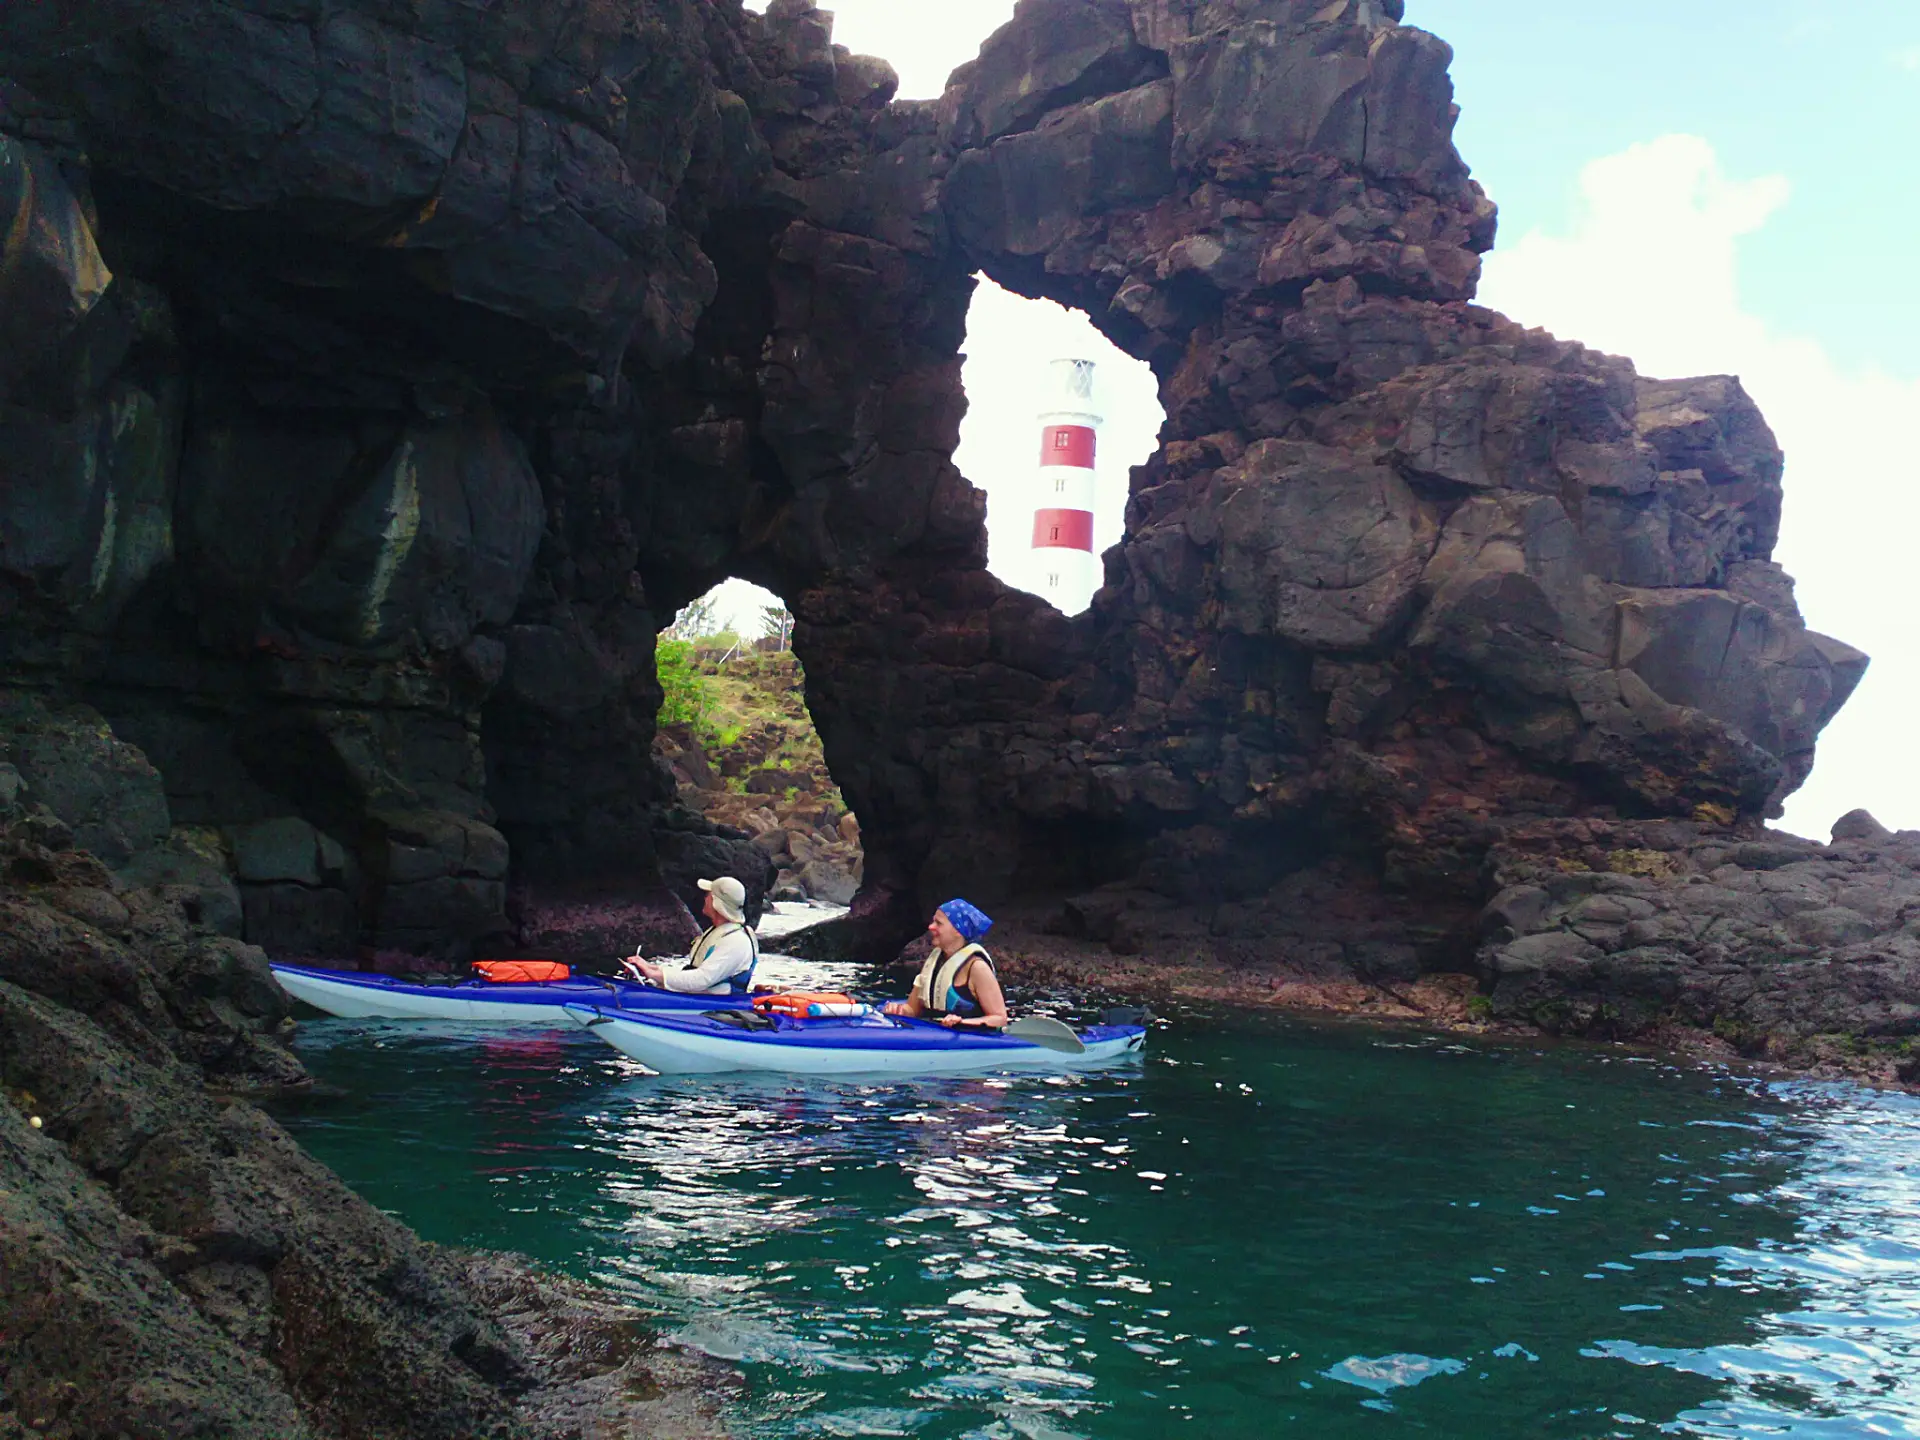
522	972
794	1003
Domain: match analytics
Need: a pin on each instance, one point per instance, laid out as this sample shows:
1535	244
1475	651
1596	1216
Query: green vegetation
687	697
734	726
745	709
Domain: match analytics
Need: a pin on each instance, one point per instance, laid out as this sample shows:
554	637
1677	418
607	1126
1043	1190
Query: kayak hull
676	1043
357	995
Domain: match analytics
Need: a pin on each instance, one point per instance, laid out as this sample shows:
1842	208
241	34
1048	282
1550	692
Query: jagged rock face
395	371
171	1262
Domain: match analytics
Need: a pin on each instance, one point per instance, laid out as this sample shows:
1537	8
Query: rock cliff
382	375
377	377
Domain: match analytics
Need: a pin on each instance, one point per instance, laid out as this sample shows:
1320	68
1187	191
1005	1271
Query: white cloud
924	39
1649	268
1908	59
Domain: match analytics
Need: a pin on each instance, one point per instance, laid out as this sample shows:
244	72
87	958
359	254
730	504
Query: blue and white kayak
678	1043
362	996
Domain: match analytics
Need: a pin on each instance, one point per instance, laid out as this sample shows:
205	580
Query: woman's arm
985	985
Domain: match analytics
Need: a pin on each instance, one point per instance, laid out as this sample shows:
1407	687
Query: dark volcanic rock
173	1264
376	380
543	327
1621	928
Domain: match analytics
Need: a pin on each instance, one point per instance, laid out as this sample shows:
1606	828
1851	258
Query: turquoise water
1261	1228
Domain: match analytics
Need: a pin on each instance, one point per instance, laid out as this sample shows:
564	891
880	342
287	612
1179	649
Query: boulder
285	849
68	759
825	879
1859	825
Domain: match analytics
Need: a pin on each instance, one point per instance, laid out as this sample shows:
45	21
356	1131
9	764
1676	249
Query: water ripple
1267	1229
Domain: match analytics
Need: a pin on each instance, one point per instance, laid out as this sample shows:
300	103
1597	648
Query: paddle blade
1048	1034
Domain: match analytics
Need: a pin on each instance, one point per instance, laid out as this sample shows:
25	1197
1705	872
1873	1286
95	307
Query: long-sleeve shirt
717	957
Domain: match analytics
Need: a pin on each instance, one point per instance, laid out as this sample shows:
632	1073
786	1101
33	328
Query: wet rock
1794	941
593	928
826	880
68	759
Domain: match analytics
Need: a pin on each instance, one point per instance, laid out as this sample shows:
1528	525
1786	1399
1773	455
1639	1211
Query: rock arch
398	373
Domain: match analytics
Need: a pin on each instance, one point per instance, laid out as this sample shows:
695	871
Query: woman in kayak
957	985
723	958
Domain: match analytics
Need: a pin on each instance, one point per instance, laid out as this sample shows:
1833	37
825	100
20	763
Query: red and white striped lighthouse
1064	567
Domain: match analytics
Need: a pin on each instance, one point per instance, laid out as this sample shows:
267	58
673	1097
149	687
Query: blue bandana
971	923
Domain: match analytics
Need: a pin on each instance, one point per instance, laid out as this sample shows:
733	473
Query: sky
1729	186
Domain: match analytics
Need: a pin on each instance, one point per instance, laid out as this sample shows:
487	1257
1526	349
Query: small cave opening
735	732
1057	417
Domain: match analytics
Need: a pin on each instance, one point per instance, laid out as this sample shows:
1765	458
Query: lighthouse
1064	569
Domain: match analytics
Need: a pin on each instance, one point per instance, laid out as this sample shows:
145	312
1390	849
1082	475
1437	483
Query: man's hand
641	969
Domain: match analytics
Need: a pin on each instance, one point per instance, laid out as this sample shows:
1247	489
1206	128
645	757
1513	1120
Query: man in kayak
957	985
723	958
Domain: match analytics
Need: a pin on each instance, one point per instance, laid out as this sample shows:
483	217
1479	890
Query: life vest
799	1004
740	982
943	995
522	972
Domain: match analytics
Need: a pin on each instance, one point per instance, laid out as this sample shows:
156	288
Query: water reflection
1842	1356
936	1222
1261	1230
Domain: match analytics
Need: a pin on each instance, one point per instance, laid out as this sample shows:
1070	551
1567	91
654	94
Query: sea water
1263	1227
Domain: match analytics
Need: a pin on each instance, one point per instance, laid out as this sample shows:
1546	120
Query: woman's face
943	933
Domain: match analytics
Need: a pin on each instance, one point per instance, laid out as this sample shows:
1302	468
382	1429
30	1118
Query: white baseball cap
729	895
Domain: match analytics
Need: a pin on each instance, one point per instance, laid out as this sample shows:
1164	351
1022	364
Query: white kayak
360	995
682	1043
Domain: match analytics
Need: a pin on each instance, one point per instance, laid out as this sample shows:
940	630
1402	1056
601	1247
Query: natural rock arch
541	330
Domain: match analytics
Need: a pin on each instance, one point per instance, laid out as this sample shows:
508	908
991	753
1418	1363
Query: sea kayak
359	995
679	1043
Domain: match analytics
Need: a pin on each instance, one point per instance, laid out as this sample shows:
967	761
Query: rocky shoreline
1760	947
377	381
173	1264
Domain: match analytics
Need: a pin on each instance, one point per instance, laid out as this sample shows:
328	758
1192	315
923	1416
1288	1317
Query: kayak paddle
1048	1034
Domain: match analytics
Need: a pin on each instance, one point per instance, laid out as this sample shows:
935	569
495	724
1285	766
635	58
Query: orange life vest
522	972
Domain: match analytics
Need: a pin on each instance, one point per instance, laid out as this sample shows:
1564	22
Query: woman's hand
952	1022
